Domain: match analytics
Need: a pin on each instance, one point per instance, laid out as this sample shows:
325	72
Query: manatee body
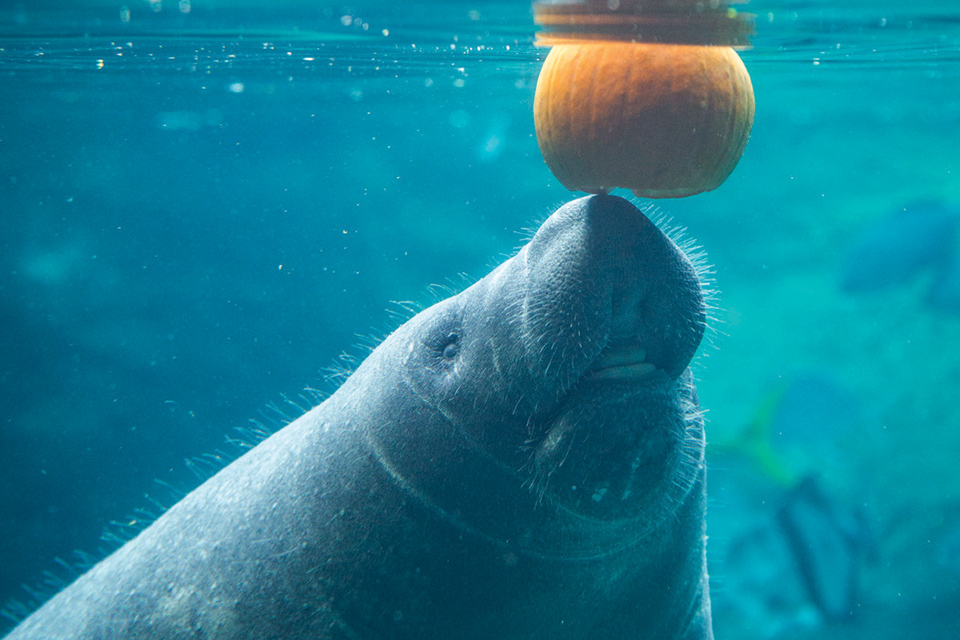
521	460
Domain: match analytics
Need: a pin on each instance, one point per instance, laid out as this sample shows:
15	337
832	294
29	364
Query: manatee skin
521	460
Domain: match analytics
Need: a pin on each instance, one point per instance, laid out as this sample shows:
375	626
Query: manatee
522	460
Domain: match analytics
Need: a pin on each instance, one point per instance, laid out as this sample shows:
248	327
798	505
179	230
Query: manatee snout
611	292
614	301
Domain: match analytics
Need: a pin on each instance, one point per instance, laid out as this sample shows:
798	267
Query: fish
796	565
919	237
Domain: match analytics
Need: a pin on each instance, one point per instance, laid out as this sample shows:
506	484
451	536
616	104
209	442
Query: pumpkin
663	120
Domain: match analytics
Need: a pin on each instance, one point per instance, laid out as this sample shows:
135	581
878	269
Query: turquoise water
199	212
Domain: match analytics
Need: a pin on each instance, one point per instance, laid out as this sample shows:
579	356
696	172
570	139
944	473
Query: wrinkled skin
521	460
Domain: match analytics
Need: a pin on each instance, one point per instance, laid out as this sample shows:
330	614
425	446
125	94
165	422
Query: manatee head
568	364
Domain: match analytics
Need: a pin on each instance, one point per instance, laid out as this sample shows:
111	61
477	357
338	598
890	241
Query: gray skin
521	460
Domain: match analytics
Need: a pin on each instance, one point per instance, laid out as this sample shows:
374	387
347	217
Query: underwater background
206	207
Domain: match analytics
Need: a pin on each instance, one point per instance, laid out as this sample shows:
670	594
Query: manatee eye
441	340
450	347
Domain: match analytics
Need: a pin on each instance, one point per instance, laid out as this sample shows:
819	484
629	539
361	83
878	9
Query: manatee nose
656	307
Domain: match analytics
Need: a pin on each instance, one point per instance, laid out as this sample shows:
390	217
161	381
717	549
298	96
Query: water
199	212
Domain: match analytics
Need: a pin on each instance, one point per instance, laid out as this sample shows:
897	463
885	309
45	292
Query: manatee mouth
622	363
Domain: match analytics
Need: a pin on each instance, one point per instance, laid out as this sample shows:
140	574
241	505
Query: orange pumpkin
663	120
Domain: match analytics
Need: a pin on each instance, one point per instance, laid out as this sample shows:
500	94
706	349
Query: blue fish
828	544
897	248
815	411
800	423
798	566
